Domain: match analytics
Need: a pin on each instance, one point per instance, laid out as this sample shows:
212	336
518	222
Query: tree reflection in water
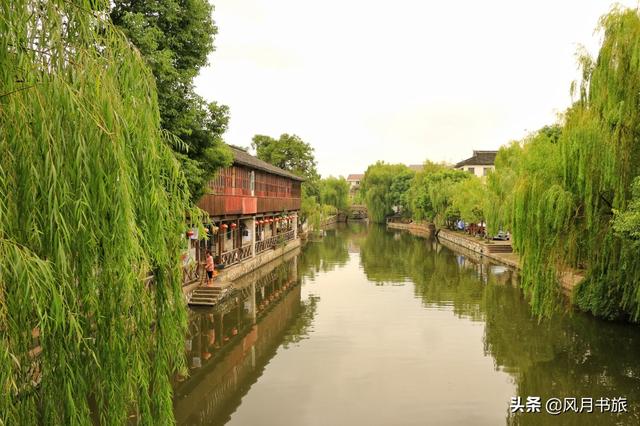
568	355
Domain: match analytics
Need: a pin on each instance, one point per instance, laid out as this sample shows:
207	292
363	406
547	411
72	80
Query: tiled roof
242	157
355	177
480	158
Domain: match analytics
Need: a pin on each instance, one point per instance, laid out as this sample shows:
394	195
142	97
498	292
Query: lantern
224	226
190	233
233	225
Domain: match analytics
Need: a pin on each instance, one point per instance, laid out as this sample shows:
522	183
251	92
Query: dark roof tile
243	158
480	158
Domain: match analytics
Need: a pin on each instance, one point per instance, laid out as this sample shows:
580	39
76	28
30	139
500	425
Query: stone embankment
416	228
227	276
498	251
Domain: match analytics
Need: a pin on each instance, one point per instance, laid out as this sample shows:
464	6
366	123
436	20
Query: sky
401	81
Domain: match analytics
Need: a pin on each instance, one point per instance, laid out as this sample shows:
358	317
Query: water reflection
569	355
228	346
451	345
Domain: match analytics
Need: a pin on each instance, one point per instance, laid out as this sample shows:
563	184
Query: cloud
397	81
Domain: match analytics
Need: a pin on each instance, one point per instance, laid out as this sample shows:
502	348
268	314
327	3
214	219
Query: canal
378	327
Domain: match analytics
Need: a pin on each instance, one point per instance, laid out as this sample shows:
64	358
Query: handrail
234	256
273	241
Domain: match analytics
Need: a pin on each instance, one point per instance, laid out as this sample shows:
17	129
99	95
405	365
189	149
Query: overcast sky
401	81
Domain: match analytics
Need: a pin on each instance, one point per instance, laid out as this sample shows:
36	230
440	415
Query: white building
480	164
354	181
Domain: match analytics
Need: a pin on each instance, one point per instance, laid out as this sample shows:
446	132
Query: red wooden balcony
221	205
277	204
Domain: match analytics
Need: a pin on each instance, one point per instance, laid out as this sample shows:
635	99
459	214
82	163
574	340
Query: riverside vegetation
102	157
569	193
99	170
92	200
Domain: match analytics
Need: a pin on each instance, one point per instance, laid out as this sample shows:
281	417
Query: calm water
377	327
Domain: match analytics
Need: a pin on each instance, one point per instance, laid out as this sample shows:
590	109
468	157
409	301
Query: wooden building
253	206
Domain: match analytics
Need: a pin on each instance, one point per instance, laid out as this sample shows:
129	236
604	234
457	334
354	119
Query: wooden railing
274	241
288	236
192	273
266	244
236	255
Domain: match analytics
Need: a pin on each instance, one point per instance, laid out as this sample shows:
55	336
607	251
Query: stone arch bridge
358	211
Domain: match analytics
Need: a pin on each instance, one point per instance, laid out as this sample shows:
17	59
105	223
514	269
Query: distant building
416	167
480	164
354	184
354	181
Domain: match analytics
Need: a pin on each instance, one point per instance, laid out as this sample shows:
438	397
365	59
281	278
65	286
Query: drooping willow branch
589	171
91	200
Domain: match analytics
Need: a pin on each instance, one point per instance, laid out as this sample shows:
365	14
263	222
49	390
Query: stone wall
420	229
236	271
567	279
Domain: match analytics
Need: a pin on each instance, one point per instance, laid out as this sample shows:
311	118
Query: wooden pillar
295	226
252	233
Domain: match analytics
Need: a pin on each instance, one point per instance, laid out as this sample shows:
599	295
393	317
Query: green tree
627	222
468	198
292	154
91	201
384	187
175	38
499	197
289	152
335	192
431	194
572	186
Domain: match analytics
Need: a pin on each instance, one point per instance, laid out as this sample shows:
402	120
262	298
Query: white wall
477	170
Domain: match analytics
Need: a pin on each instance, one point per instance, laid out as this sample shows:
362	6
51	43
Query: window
471	170
485	171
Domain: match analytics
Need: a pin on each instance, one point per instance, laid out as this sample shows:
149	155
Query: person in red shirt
210	267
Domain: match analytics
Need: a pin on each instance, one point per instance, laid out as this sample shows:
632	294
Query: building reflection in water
228	346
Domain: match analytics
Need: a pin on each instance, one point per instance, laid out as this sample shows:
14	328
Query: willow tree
91	202
431	194
569	187
602	157
385	188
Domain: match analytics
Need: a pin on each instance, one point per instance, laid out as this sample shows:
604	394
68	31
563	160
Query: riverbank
399	320
497	251
226	277
416	228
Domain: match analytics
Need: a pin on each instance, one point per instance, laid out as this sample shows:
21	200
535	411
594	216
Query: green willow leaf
92	200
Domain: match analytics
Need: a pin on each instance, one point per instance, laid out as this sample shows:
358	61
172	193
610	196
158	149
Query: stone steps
501	248
206	296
